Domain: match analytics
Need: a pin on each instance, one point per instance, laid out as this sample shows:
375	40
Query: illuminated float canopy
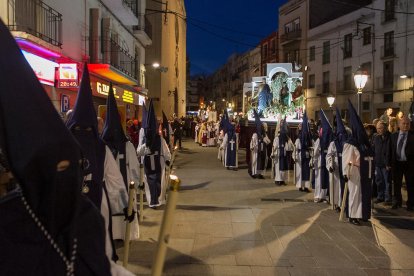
275	96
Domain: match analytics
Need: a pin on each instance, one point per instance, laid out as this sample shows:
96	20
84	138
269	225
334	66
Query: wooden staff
331	189
164	236
341	216
130	209
141	192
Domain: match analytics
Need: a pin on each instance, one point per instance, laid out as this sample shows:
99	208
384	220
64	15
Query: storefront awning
111	73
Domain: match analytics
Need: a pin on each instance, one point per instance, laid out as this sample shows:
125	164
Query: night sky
218	28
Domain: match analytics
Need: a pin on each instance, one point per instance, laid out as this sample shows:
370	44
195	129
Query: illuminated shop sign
68	75
101	89
43	68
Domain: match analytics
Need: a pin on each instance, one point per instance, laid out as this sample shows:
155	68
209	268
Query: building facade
377	39
167	83
59	36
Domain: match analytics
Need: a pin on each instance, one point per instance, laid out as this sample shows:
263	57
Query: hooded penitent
340	139
360	140
165	128
84	126
113	134
283	139
152	161
325	140
261	151
45	220
231	149
305	145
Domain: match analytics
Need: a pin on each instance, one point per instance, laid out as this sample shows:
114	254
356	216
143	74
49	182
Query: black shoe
260	176
396	205
283	183
306	190
228	168
338	209
376	201
301	190
354	221
235	169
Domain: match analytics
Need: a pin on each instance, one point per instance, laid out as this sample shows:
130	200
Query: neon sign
43	68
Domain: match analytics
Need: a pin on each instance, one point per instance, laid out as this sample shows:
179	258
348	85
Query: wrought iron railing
122	60
36	18
144	25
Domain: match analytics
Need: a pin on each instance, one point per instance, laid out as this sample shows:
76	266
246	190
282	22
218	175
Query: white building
378	38
110	35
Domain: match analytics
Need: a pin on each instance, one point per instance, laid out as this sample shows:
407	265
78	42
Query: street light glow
360	79
331	100
155	65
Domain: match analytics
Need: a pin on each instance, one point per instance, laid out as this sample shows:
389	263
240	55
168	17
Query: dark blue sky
208	21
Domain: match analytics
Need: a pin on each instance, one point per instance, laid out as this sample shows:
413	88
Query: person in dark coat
381	143
401	161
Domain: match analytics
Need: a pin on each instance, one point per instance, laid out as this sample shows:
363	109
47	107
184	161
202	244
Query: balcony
387	16
36	19
124	10
143	31
388	51
288	37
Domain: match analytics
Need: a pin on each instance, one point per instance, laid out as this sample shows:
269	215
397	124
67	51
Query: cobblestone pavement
227	223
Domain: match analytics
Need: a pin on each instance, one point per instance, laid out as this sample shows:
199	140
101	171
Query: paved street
227	223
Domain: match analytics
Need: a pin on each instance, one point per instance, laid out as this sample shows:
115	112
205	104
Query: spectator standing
177	127
381	144
401	161
386	116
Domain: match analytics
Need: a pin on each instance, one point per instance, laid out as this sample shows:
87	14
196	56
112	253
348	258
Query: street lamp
360	79
331	100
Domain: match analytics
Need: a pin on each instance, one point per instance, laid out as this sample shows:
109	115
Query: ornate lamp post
360	79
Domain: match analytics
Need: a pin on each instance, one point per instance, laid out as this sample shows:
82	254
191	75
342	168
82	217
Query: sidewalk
227	223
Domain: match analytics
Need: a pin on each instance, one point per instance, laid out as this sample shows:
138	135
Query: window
389	10
312	53
325	83
311	81
388	98
388	44
296	24
366	67
348	46
366	36
273	46
348	78
296	56
326	58
365	106
388	80
265	51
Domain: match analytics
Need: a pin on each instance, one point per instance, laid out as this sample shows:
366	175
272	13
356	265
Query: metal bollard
166	224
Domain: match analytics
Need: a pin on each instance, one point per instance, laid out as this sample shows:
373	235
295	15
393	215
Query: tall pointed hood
144	116
113	133
151	129
84	126
84	112
41	152
341	133
305	135
258	123
327	132
359	137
